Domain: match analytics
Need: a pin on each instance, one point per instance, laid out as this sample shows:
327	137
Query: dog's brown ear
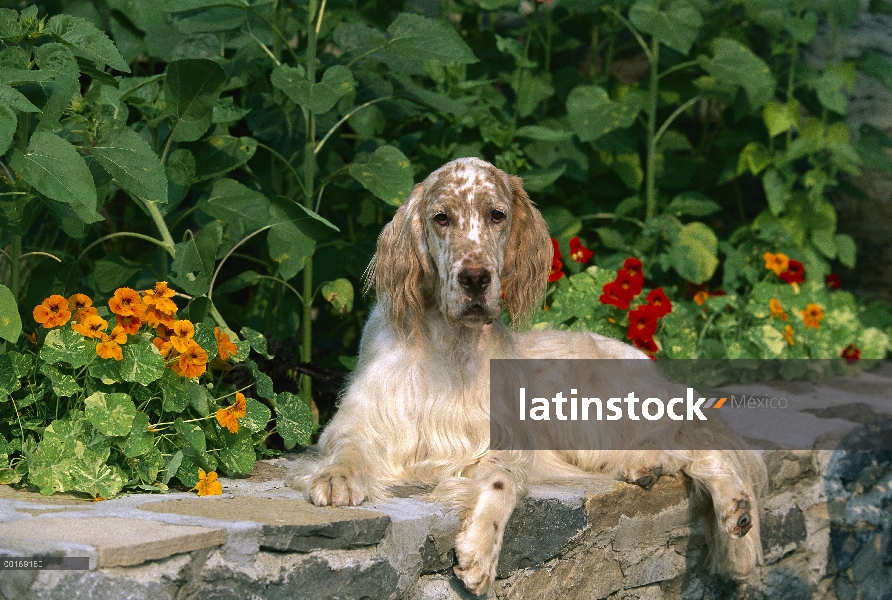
400	266
527	256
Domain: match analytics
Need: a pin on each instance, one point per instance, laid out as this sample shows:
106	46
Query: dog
467	243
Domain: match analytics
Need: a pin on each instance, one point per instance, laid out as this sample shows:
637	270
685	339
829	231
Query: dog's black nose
474	280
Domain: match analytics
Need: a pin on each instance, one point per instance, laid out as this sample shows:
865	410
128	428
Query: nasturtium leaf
191	462
846	250
204	336
319	98
21	363
87	39
677	26
294	421
388	175
142	362
192	433
593	114
199	398
175	395
419	38
340	294
107	370
64	345
262	381
10	320
96	478
256	417
238	455
54	168
150	464
173	466
63	384
735	64
539	179
140	440
257	341
9	381
130	160
693	255
191	90
111	414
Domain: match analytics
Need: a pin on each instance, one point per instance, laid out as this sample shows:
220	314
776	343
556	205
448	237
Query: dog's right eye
441	219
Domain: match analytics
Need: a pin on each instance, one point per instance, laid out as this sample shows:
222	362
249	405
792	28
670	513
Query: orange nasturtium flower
160	297
701	297
812	315
52	312
228	417
110	346
776	262
181	334
130	323
777	310
78	302
224	346
126	302
788	335
83	313
207	484
92	326
192	361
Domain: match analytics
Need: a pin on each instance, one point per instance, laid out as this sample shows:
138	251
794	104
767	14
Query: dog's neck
469	345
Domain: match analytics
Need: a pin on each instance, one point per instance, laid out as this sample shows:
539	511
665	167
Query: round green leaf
111	414
142	362
294	421
388	175
10	320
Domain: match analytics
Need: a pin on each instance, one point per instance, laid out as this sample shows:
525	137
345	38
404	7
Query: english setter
466	243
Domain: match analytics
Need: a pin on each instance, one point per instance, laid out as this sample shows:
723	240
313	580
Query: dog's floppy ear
527	255
400	266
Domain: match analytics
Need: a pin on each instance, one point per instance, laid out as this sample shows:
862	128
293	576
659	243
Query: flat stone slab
288	525
118	541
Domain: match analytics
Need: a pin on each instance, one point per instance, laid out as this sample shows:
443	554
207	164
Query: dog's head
467	240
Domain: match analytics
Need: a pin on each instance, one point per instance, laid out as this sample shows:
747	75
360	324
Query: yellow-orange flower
52	312
118	335
110	347
207	484
126	302
83	313
77	302
182	333
788	334
777	310
160	297
91	327
776	262
701	297
164	347
224	346
192	361
155	317
228	417
130	323
812	315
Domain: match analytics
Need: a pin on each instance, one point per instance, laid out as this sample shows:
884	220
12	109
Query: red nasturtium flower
851	353
615	295
556	264
578	252
207	484
795	272
648	345
632	267
643	323
52	312
833	281
659	301
228	417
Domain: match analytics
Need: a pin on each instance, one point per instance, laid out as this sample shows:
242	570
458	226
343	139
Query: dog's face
466	240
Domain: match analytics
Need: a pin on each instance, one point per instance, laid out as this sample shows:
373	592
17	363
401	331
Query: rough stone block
781	530
118	541
288	525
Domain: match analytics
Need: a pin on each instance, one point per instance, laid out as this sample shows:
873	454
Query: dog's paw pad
337	486
645	481
738	520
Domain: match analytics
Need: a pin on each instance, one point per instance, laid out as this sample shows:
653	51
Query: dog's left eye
497	216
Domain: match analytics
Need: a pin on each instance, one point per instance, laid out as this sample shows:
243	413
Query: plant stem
228	254
791	86
651	175
139	236
344	120
158	218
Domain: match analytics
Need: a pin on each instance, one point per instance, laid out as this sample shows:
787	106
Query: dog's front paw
735	517
477	552
643	476
337	485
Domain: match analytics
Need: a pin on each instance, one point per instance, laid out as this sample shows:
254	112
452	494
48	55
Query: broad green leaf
173	465
735	64
87	39
204	337
871	147
220	154
539	179
693	255
112	272
225	111
262	381
693	204
199	398
846	250
288	245
9	380
537	132
12	98
340	294
150	464
191	90
877	66
531	90
435	100
96	478
611	238
388	175
64	345
176	397
677	26
10	320
240	207
319	98
779	117
21	363
63	384
830	94
193	266
8	124
192	433
592	113
175	6
9	24
257	341
776	191
130	160
753	158
294	421
140	440
238	456
180	171
419	38
110	414
628	168
824	241
142	363
58	61
843	12
107	370
55	169
256	417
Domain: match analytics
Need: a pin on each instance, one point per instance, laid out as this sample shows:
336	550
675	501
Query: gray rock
537	531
